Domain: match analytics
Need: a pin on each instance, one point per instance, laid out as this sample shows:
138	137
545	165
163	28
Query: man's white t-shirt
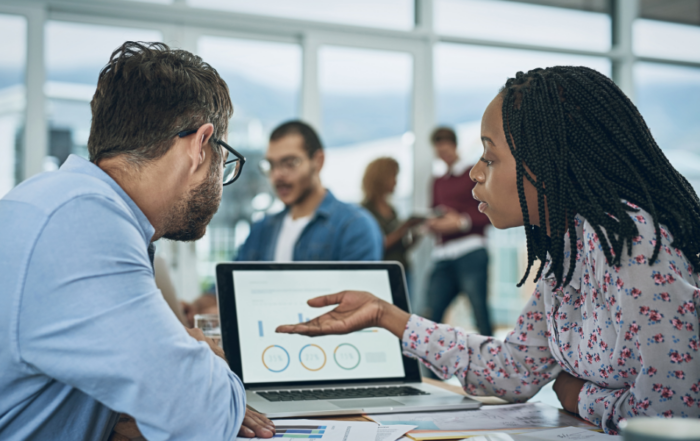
289	234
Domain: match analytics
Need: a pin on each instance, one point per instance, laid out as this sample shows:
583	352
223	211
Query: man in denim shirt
314	226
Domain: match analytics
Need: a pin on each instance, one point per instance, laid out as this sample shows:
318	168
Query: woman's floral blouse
630	332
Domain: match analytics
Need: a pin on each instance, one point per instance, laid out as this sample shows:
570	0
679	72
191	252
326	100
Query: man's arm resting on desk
94	320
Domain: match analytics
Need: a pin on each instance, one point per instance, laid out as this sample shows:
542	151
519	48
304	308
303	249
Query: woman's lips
482	205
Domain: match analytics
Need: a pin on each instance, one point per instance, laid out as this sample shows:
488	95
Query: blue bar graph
260	328
301	318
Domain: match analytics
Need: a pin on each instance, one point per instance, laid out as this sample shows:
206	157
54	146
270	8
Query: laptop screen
267	299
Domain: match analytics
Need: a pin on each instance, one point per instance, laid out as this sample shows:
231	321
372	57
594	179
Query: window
523	23
467	78
366	114
393	14
12	98
653	38
75	54
668	98
264	80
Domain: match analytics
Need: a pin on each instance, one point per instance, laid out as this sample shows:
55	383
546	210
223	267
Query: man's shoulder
350	216
345	210
47	192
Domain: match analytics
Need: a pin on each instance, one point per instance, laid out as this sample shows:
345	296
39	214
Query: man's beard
188	220
306	184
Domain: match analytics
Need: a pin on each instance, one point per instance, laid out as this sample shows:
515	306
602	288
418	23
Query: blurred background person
314	225
378	184
460	256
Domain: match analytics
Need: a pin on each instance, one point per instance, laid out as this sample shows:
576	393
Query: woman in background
378	183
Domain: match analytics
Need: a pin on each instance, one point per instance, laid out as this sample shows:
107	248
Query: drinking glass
209	324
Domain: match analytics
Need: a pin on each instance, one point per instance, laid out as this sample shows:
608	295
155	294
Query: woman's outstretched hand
356	310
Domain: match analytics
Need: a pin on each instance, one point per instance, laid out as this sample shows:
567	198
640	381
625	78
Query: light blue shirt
84	331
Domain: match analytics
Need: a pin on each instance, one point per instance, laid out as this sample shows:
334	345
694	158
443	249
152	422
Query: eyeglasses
232	167
284	165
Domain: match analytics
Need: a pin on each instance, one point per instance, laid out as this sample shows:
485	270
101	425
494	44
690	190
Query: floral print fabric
630	332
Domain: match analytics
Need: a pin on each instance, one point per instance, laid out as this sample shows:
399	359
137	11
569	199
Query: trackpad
361	404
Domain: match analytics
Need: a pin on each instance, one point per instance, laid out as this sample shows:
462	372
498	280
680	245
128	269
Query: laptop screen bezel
225	291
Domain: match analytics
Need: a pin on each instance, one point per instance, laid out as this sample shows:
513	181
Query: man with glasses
314	226
86	334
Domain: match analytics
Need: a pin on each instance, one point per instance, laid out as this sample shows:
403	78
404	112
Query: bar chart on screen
267	300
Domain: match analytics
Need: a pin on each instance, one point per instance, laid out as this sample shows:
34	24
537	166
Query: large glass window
366	114
668	98
524	23
12	98
393	14
467	78
653	38
264	80
75	54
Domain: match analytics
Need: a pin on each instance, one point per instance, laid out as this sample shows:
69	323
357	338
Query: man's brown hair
443	134
146	94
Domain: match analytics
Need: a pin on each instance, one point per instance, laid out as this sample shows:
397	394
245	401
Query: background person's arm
93	319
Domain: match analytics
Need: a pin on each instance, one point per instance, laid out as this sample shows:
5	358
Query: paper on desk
509	418
564	433
322	430
392	433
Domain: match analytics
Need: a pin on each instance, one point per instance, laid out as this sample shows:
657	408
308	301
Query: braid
584	146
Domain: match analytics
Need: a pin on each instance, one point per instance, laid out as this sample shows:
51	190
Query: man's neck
308	205
143	189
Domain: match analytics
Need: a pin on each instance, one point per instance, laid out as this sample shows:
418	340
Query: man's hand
450	222
198	335
356	310
255	424
567	388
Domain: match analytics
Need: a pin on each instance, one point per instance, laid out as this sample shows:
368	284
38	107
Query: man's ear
318	159
196	149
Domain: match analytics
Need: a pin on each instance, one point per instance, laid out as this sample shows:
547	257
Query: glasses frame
238	156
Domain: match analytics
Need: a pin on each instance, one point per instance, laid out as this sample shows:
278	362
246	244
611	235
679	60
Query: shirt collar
458	168
324	210
76	164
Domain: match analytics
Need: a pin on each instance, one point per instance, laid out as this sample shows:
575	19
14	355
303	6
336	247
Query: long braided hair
589	148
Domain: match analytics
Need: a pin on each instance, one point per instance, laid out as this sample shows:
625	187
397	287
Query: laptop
293	375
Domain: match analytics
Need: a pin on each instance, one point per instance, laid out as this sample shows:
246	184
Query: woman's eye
485	160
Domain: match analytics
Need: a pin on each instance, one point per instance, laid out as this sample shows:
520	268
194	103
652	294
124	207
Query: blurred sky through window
523	23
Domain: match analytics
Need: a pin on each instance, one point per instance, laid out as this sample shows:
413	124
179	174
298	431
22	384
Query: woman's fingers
330	299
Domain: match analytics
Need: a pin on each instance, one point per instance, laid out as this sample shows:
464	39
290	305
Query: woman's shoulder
669	259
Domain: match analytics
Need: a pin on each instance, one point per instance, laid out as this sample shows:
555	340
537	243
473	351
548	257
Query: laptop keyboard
341	393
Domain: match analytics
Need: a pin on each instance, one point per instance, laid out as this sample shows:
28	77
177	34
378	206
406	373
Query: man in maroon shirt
461	260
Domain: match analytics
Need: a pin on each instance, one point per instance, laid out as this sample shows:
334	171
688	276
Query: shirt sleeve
513	369
655	316
91	317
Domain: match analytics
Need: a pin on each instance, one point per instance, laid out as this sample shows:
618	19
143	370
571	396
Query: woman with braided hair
614	316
